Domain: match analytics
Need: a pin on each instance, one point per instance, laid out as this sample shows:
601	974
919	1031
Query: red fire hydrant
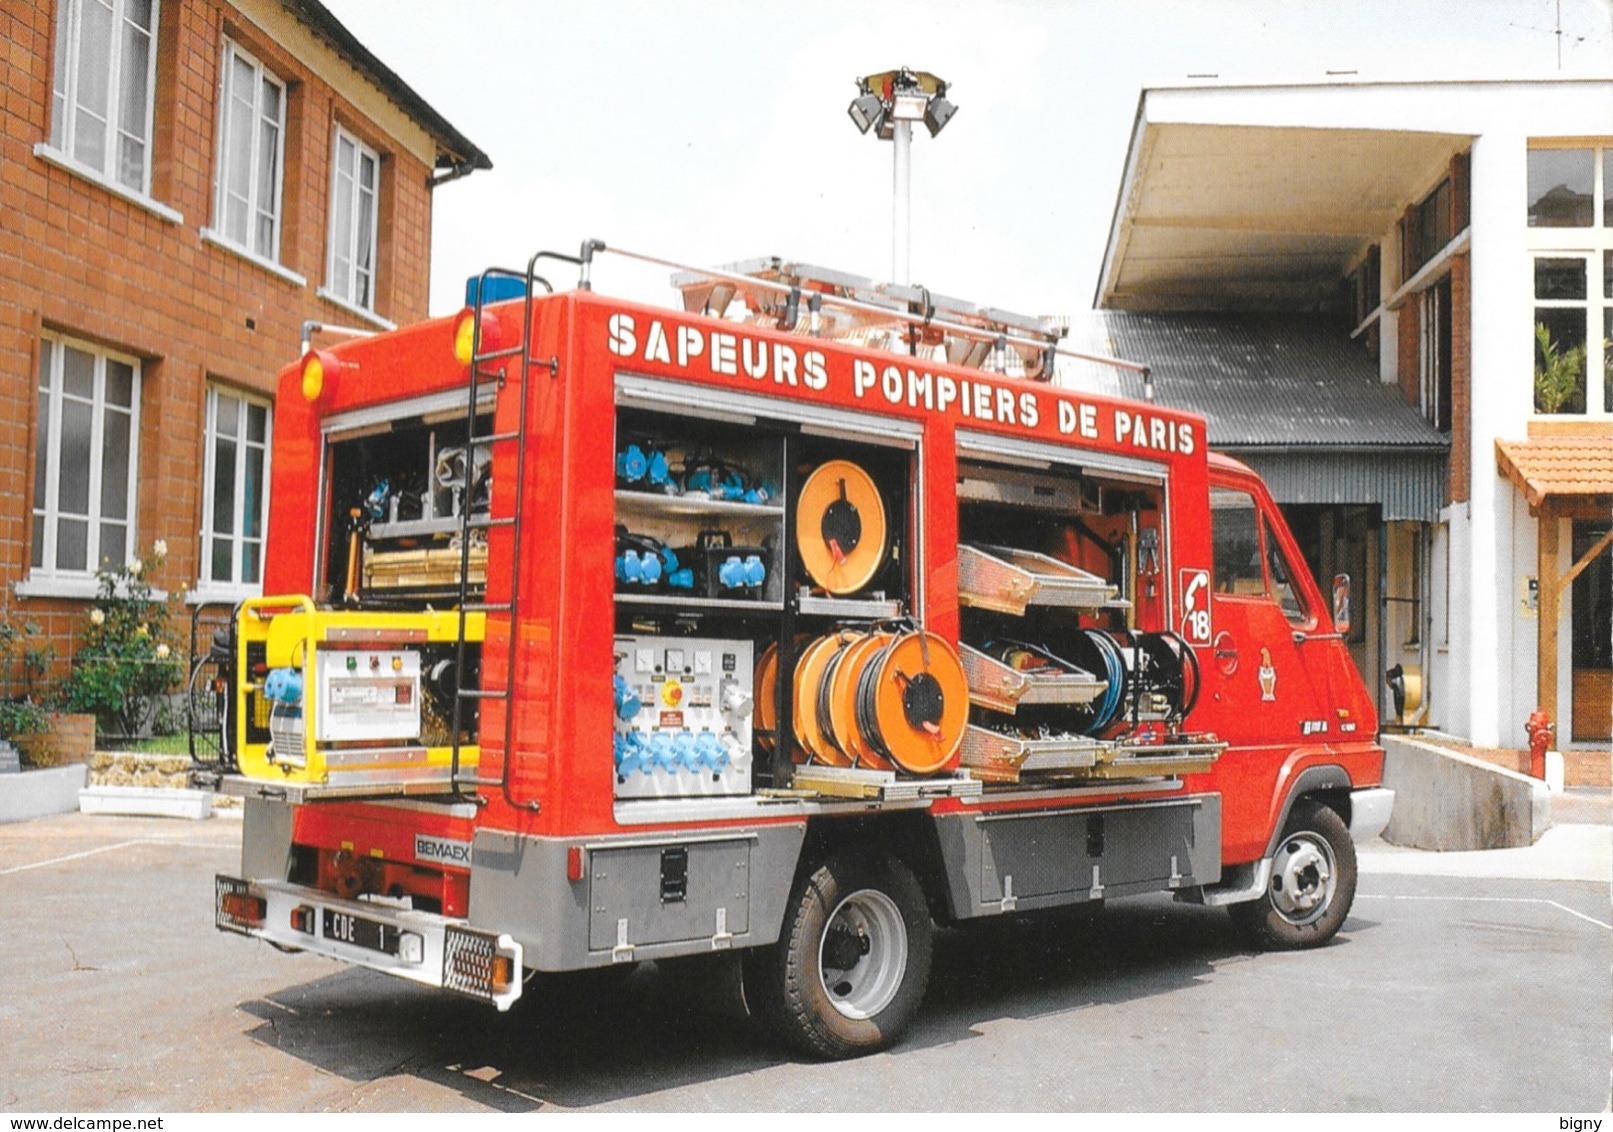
1539	729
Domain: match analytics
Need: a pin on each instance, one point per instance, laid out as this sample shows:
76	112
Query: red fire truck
784	623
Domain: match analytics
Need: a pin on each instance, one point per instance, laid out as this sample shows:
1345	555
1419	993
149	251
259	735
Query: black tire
852	962
1312	883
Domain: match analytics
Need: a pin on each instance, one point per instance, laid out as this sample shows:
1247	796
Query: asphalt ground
1461	983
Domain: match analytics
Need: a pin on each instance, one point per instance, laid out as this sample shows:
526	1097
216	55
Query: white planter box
141	801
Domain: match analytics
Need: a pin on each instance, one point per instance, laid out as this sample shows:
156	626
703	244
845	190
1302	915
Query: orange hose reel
913	702
877	699
840	527
765	697
841	694
809	672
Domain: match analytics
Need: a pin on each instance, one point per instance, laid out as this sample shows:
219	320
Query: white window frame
251	198
67	78
1591	244
236	586
1431	312
42	576
342	281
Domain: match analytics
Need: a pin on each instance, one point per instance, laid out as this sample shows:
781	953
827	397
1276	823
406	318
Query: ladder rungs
481	524
495	437
495	355
483	693
488	607
471	780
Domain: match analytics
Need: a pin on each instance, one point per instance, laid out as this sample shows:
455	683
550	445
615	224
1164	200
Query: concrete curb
146	802
39	793
1449	801
1565	852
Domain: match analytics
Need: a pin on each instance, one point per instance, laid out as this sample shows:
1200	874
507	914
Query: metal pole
902	151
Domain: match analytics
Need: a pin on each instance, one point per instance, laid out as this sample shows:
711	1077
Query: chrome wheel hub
862	958
1303	878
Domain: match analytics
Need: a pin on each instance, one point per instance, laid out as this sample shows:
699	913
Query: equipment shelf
848	608
1009	580
995	756
995	685
649	503
1144	760
686	601
998	757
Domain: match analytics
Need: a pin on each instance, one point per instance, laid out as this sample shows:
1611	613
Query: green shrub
25	655
125	663
21	718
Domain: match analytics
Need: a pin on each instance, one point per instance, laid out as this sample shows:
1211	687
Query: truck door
1269	693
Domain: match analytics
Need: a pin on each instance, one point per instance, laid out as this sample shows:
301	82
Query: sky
711	131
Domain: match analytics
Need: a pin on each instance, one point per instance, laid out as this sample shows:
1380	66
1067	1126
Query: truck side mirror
1341	603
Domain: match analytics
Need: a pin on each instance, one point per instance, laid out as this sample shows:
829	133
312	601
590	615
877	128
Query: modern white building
1435	227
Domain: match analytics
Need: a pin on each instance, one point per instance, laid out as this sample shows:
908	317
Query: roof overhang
456	155
1241	215
1565	467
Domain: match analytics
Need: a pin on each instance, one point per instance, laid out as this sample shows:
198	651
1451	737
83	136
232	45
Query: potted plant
26	726
25	722
1558	372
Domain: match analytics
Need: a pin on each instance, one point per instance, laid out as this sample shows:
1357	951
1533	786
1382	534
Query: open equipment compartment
1058	569
742	539
398	489
699	583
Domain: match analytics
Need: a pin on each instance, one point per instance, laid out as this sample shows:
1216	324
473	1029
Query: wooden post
1550	600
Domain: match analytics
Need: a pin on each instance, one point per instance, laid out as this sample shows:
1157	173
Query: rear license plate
343	927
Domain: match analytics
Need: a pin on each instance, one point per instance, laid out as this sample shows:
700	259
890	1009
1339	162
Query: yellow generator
336	699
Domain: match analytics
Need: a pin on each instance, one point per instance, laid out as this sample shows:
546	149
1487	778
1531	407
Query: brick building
183	185
1416	236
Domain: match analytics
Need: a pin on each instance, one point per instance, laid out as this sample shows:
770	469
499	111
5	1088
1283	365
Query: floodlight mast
890	102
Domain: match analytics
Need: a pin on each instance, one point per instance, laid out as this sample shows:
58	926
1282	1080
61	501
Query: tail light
236	907
483	966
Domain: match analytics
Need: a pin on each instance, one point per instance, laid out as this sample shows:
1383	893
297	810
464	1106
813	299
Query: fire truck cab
786	623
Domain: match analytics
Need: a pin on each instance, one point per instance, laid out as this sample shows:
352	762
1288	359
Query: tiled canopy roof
1578	464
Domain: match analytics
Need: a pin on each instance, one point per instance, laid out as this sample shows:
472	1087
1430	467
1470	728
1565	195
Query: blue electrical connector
283	686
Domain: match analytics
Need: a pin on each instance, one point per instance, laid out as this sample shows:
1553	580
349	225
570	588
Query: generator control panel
367	695
683	716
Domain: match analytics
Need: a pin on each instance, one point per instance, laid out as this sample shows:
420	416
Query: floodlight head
866	110
937	113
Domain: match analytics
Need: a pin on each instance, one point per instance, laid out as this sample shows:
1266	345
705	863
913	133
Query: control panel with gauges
683	708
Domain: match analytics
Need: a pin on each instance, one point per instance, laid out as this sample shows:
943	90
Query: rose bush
125	665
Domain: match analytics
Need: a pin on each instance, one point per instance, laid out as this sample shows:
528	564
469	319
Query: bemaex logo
441	849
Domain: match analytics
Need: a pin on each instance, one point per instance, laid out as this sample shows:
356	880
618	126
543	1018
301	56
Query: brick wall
1408	355
79	259
1461	464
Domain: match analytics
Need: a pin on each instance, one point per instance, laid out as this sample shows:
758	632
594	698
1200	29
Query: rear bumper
419	946
1369	812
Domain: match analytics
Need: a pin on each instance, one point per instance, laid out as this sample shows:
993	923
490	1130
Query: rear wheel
849	971
1312	883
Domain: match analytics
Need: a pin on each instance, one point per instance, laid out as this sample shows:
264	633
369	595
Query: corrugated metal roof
1263	381
1406	484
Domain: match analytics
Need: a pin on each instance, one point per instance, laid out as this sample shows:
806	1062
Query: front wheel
1312	883
849	971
